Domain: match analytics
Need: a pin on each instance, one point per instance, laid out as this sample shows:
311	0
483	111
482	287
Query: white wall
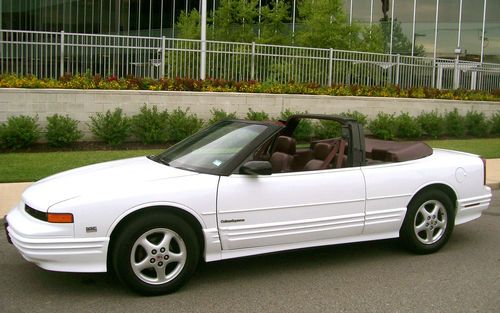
80	104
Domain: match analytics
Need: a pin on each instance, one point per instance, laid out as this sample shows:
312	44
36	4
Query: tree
189	25
325	25
234	20
373	39
401	44
273	27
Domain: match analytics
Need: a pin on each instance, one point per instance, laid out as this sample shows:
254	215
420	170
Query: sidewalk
493	173
10	193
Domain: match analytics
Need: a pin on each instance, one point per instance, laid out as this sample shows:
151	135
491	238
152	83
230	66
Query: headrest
285	144
321	150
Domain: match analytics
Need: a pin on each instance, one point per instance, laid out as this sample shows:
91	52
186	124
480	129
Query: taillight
484	170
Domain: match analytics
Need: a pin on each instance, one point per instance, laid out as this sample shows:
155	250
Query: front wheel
428	223
156	253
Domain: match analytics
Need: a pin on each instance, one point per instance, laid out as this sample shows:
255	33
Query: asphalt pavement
363	277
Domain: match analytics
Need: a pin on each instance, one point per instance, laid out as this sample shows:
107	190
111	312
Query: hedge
153	126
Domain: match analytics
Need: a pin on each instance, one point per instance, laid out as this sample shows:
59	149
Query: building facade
441	26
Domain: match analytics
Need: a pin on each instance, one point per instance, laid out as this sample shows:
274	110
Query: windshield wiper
157	158
162	160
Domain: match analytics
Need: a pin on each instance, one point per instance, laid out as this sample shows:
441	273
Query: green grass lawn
486	147
22	167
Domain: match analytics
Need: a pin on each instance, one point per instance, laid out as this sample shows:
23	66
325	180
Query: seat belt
330	156
340	157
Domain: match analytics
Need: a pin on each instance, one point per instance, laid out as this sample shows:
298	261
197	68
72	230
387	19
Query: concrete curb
494	186
10	194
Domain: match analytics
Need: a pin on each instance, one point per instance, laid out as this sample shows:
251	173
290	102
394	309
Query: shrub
257	116
455	124
494	122
19	132
476	124
358	116
407	127
150	125
62	131
112	127
384	126
182	124
432	124
327	129
219	115
304	131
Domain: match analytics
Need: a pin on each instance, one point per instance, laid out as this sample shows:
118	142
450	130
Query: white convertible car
242	188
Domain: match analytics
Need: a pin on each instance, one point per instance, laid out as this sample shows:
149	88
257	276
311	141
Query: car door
278	209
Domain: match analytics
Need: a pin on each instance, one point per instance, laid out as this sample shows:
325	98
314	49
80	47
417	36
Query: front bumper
37	243
5	225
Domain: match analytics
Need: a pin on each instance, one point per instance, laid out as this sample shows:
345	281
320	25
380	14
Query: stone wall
80	104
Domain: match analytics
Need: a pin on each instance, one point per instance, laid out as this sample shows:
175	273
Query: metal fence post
473	80
162	68
61	64
330	67
252	70
433	84
398	61
203	37
203	59
456	75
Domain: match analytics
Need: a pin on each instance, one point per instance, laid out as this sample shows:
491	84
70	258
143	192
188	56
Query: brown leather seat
282	158
320	153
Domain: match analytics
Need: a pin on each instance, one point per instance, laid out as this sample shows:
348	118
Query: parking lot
365	277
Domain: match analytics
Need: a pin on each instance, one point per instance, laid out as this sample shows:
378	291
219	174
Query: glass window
134	17
403	27
425	21
448	28
472	24
155	18
7	15
492	32
217	146
361	11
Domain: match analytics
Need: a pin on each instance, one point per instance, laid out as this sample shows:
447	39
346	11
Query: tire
428	223
156	253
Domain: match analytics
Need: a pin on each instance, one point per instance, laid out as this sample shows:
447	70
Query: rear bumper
471	208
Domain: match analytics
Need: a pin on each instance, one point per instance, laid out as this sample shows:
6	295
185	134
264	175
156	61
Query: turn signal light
60	218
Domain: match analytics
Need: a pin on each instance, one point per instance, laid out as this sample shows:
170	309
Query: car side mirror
257	168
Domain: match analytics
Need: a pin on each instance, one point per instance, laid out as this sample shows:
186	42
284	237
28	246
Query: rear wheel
428	222
155	253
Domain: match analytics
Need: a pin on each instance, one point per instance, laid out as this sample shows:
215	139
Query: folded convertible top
394	151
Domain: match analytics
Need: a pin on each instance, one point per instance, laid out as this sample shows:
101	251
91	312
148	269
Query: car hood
97	178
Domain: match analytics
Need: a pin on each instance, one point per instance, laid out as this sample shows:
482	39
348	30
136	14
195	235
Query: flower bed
251	86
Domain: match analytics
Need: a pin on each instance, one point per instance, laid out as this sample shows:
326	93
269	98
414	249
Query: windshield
212	149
